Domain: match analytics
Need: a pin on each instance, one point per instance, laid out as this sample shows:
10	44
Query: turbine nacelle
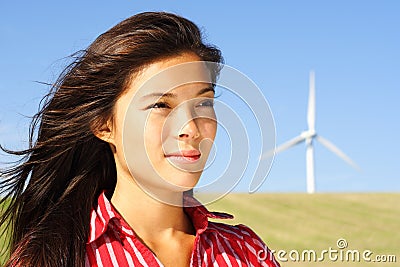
308	134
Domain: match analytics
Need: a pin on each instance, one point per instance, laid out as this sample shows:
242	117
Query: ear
104	130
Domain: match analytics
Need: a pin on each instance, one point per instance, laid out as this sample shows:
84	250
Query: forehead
169	75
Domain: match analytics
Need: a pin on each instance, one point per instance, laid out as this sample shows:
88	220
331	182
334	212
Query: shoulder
243	237
239	231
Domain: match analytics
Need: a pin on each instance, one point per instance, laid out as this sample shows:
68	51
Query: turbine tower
309	137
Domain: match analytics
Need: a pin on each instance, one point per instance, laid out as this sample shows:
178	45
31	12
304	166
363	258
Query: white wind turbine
309	136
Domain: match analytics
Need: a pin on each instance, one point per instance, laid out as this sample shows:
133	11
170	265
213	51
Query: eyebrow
172	95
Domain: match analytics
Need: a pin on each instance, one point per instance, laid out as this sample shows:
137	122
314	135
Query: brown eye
159	105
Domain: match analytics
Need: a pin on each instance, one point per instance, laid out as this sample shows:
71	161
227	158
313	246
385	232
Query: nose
189	130
187	124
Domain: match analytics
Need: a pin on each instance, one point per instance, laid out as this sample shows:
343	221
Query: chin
184	184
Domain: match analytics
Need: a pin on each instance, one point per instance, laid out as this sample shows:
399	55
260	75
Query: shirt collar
200	215
105	213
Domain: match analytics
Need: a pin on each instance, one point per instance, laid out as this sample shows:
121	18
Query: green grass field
315	222
3	242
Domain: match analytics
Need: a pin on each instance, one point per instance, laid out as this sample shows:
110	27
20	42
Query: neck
149	217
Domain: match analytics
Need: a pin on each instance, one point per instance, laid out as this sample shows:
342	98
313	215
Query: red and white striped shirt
113	243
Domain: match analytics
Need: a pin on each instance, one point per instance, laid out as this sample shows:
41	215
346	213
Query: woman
114	158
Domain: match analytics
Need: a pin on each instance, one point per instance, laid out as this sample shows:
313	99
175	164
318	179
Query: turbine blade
337	151
311	103
289	144
282	147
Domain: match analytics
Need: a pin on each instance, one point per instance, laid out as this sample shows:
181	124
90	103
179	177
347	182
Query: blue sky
353	47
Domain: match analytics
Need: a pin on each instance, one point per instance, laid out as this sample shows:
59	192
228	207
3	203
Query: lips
184	156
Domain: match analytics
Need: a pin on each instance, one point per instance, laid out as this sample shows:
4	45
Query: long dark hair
52	189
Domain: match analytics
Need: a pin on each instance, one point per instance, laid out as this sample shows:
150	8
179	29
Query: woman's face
164	125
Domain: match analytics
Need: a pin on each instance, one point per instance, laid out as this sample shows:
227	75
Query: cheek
209	128
133	140
153	131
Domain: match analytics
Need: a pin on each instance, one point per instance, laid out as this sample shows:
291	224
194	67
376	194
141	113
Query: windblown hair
52	189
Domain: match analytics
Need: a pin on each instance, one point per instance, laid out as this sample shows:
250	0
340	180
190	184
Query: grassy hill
304	222
3	242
